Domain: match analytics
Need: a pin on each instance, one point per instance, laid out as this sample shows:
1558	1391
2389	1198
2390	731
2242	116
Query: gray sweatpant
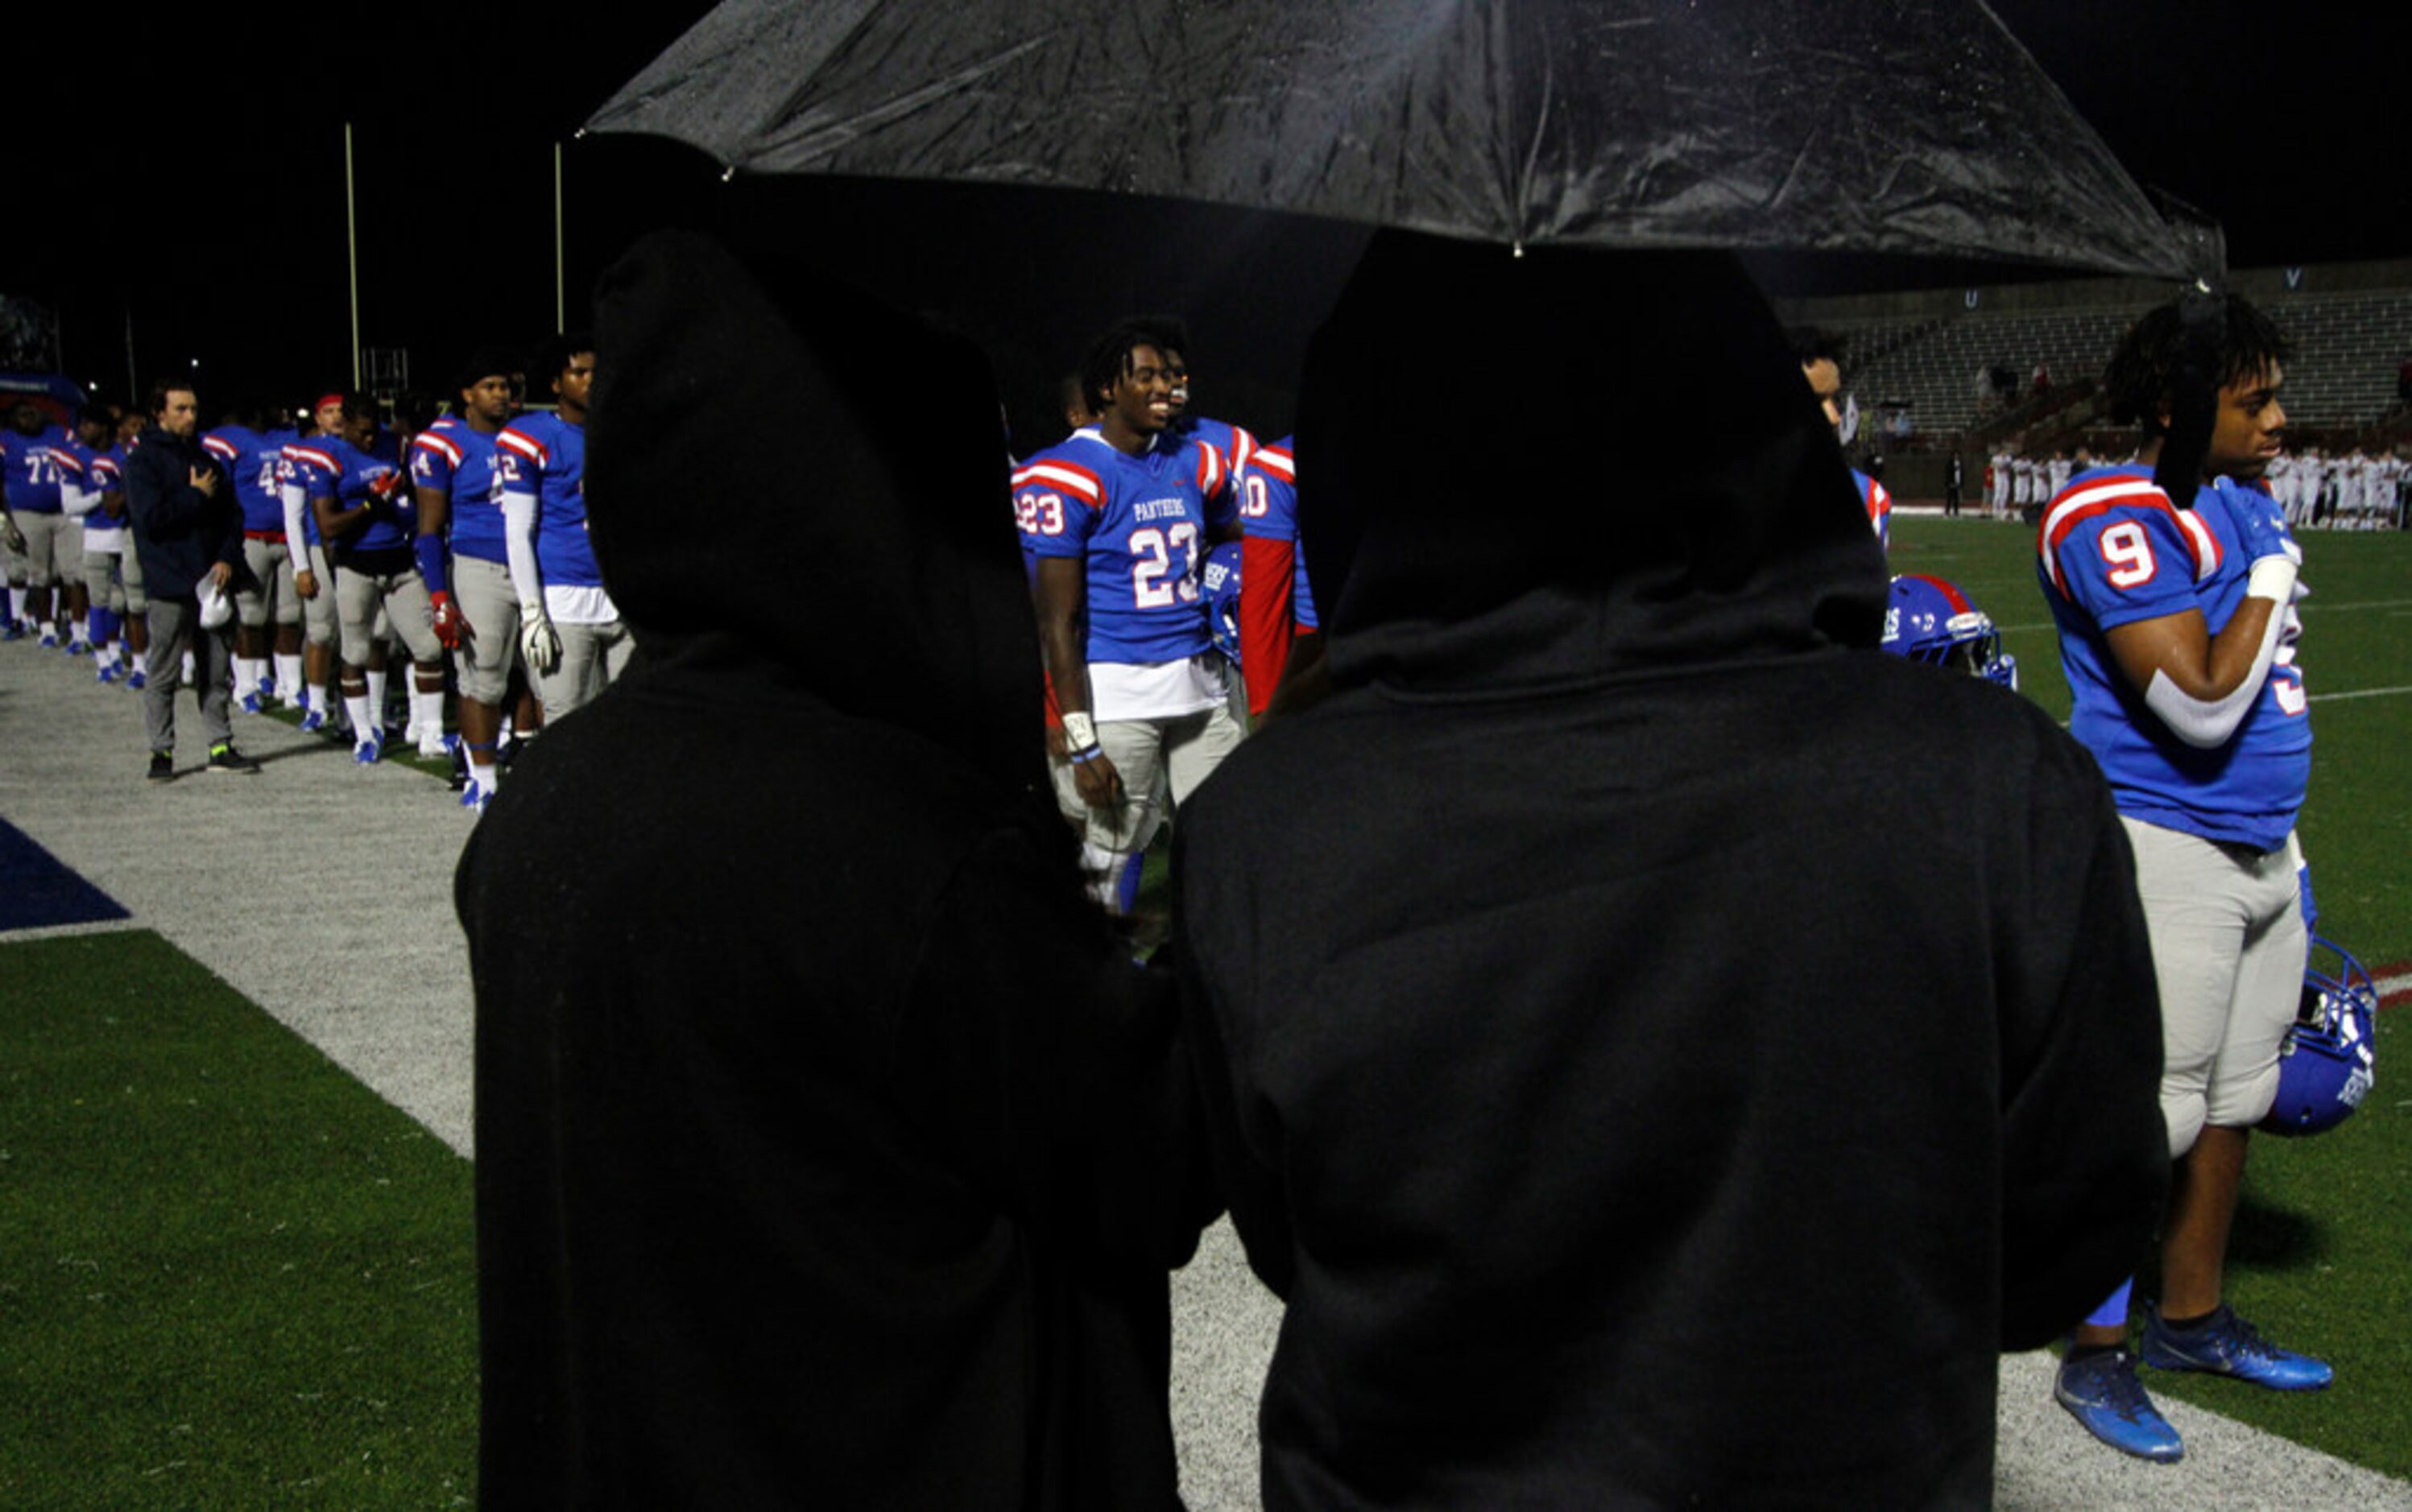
176	628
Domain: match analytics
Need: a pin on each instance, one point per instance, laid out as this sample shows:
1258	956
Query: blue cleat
313	720
368	752
475	798
251	704
49	640
2228	1345
78	648
2102	1393
135	680
107	674
12	631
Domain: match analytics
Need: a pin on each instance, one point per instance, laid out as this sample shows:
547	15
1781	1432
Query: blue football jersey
104	473
251	461
334	469
459	461
2112	550
292	472
1140	525
1269	511
1232	446
33	474
1879	505
543	457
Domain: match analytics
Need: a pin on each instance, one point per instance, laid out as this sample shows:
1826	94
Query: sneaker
368	751
78	648
135	680
225	757
313	720
163	766
2228	1345
2102	1393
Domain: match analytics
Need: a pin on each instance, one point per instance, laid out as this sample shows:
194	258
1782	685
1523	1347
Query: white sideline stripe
2361	693
2309	606
64	932
2392	987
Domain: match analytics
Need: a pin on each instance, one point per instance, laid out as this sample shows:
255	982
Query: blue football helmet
2329	1062
1220	581
1927	620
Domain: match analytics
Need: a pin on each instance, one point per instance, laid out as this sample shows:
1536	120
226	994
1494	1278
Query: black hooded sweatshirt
818	1113
1660	1049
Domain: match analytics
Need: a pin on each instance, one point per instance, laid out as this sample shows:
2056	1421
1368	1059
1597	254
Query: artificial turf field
231	1275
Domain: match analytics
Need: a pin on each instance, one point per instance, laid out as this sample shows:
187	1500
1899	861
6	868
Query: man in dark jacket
188	538
817	1110
1660	1050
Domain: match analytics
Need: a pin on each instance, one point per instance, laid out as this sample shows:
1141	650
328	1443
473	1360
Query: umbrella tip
728	173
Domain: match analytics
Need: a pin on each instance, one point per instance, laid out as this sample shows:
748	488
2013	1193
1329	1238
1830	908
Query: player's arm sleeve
1268	624
431	479
2085	1150
518	547
1053	1075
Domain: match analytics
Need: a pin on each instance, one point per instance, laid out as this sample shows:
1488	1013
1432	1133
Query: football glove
448	621
538	643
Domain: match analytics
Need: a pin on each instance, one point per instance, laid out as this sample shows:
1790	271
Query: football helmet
2329	1062
1929	619
1220	583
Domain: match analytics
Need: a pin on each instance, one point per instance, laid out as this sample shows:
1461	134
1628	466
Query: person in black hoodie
818	1115
1660	1049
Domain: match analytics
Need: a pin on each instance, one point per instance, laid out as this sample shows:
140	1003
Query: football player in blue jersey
464	558
313	576
78	498
570	632
2177	634
1120	525
362	505
31	505
1821	364
104	542
252	457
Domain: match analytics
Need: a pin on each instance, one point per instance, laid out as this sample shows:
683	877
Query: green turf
233	1276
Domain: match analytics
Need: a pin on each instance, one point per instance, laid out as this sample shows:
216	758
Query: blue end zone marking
39	891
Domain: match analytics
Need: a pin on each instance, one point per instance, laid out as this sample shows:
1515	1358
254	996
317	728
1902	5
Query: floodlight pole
560	282
352	253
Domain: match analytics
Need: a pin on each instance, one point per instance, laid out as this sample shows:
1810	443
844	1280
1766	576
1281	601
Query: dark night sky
220	230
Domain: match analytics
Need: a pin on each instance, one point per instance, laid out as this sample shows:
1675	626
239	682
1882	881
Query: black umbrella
1917	126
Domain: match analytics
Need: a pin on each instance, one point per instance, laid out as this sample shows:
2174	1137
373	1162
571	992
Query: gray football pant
360	596
592	656
272	570
1154	756
482	592
53	550
176	628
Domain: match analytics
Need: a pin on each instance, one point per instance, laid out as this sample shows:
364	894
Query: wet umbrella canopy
1916	127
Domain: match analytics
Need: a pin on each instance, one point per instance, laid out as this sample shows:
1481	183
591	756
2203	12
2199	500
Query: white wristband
1079	730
